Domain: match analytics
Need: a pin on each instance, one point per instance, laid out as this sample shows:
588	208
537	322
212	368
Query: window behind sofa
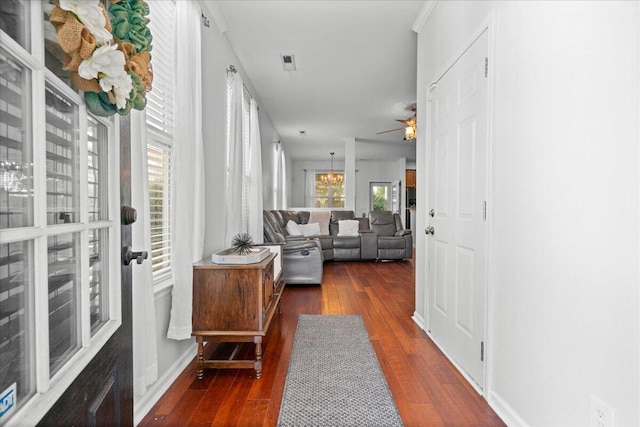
327	195
160	136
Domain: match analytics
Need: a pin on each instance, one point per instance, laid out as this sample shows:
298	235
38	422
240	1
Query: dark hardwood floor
427	389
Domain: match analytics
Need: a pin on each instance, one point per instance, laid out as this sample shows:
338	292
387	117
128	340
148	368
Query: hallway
427	389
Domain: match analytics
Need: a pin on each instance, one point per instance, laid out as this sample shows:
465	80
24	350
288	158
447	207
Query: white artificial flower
107	65
90	14
105	60
121	85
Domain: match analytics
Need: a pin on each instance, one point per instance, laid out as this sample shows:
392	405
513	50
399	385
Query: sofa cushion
390	242
348	227
293	228
322	218
289	216
273	232
326	242
346	242
382	222
338	216
347	253
304	217
311	229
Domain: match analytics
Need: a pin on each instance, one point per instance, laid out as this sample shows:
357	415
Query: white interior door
457	205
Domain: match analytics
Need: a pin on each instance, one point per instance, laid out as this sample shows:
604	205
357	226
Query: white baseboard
419	320
505	411
143	404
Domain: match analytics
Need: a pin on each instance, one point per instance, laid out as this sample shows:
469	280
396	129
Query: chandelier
332	178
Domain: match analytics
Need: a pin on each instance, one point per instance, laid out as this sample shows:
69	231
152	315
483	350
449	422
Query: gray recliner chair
394	242
301	257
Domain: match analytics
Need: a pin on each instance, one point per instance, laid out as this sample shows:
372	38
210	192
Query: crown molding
424	15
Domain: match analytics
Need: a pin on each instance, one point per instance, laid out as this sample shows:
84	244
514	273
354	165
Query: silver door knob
432	213
429	230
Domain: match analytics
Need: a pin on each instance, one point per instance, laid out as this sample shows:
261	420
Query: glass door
59	212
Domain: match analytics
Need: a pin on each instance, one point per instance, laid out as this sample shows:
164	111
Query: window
59	218
380	196
328	190
159	117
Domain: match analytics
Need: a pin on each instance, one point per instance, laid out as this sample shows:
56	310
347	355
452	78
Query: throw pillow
312	229
293	228
348	227
322	218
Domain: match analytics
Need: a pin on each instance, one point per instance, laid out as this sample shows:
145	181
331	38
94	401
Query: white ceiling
356	71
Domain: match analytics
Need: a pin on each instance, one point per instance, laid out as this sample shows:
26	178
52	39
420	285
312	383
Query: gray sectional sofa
380	236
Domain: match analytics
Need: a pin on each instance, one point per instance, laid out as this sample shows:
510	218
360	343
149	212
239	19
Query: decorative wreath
107	53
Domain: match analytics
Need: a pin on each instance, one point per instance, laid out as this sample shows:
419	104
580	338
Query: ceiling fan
409	128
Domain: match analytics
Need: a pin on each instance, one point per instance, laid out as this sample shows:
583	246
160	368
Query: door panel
464	289
456	264
440	275
102	395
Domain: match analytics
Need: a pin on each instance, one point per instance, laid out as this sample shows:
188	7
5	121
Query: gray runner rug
334	378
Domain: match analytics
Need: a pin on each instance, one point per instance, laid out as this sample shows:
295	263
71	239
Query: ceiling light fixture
332	178
410	132
409	128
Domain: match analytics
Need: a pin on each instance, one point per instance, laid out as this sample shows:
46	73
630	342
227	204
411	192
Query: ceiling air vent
288	63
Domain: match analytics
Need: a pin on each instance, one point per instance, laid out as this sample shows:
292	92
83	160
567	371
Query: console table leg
200	359
280	306
258	362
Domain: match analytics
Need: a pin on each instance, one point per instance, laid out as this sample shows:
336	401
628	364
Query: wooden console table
234	303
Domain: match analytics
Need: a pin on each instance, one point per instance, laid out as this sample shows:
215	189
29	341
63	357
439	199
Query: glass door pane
16	153
380	196
54	56
64	281
98	157
62	159
16	319
14	16
98	277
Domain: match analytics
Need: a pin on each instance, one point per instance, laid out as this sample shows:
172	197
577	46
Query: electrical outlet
601	413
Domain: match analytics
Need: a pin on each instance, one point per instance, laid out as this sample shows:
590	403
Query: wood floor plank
428	390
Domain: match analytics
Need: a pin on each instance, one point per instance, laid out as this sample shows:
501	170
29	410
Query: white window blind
159	113
158	160
160	100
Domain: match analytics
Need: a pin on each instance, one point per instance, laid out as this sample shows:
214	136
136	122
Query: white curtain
275	186
279	177
234	162
145	352
254	210
283	180
310	188
187	191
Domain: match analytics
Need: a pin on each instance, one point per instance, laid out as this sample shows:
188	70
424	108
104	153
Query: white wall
564	258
